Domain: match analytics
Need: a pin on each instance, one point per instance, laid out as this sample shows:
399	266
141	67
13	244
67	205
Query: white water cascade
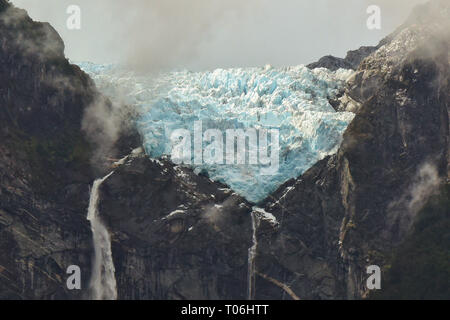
102	284
251	259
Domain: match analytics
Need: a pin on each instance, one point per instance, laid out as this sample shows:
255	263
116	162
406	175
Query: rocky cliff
176	235
351	210
46	172
44	160
179	235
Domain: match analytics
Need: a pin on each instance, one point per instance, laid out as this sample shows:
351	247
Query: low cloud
426	183
205	34
104	123
403	211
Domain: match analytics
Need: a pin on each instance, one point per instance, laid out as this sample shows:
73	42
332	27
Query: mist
403	211
154	35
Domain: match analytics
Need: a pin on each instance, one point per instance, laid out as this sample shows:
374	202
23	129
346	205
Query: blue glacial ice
293	100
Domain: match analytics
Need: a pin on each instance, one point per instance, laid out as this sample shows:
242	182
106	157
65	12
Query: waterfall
103	281
251	259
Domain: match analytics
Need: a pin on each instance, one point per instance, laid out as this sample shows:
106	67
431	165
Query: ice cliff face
292	100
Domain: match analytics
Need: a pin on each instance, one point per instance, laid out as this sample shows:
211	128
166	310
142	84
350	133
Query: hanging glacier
294	100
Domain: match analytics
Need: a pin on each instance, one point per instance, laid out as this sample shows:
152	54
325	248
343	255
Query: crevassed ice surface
292	99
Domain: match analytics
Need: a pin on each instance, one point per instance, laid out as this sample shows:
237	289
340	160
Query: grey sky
205	34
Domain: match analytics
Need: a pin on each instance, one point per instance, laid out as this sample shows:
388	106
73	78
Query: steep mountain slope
350	210
44	160
419	268
176	235
46	173
351	60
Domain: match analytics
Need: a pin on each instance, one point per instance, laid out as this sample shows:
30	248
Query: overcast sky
206	34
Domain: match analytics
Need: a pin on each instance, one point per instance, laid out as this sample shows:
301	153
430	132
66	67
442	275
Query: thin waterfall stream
102	284
251	259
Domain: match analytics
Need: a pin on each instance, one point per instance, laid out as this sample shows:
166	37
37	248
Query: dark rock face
44	169
301	251
351	60
45	178
350	210
419	267
332	63
176	235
